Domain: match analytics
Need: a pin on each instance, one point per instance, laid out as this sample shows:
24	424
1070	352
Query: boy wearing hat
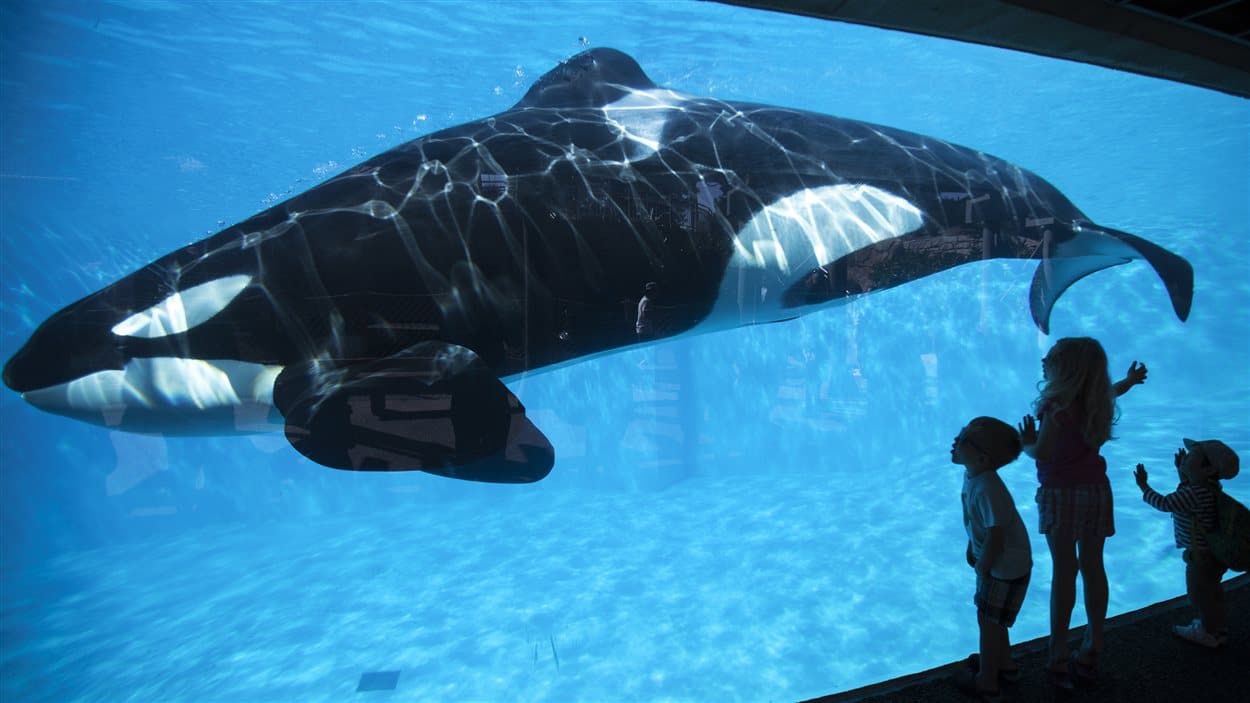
1200	465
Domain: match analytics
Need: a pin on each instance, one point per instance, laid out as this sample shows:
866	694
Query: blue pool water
763	514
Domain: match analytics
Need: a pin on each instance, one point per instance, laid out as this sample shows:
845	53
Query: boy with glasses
998	549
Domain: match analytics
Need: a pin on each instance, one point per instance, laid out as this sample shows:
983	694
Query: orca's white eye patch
184	309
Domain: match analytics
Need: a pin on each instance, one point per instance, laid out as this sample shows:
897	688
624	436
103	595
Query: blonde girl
1075	409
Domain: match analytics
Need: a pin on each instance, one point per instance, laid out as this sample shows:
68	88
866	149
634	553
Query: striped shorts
1000	600
1076	511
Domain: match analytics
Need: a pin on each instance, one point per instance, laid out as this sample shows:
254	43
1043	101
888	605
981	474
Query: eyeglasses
963	437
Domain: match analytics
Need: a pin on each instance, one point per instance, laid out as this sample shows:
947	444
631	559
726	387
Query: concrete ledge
1143	662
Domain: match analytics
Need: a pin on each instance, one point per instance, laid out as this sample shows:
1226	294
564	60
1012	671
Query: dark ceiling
1190	41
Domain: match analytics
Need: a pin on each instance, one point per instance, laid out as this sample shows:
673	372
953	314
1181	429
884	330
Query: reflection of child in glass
643	324
998	549
1200	470
1075	411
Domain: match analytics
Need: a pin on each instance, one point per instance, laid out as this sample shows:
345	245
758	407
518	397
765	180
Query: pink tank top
1075	462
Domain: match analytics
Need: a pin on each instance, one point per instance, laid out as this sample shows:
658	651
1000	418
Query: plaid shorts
1000	600
1078	511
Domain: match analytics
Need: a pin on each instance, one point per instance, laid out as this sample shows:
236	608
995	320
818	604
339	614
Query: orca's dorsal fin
590	79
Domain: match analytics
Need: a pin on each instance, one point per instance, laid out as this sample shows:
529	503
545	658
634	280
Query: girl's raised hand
1028	430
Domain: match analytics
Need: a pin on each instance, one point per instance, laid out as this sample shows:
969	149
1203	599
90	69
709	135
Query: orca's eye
184	309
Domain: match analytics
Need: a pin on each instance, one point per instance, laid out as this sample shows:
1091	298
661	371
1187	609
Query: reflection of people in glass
644	325
1075	411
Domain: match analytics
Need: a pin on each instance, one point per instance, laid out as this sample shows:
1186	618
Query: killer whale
375	317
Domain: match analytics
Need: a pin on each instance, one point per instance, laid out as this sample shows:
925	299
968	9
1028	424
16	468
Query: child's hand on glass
1028	430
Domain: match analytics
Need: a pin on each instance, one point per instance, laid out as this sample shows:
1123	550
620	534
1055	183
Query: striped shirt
1188	500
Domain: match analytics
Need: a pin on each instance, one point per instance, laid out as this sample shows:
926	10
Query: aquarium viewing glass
763	512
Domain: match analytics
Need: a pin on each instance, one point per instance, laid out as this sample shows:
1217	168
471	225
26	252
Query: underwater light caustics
375	317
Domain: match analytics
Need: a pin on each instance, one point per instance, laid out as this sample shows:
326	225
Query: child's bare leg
1005	662
1094	578
995	649
1202	580
1062	596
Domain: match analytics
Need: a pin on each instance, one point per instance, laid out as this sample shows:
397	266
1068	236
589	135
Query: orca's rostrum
374	316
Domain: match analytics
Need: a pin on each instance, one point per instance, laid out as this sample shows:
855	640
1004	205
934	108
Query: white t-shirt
988	503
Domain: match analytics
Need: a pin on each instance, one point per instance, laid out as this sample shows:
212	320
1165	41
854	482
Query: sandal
1006	677
1083	673
966	682
1060	680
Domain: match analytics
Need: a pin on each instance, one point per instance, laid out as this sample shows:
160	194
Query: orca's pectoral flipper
434	407
1090	248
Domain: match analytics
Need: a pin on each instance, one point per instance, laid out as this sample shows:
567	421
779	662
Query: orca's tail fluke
1092	248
